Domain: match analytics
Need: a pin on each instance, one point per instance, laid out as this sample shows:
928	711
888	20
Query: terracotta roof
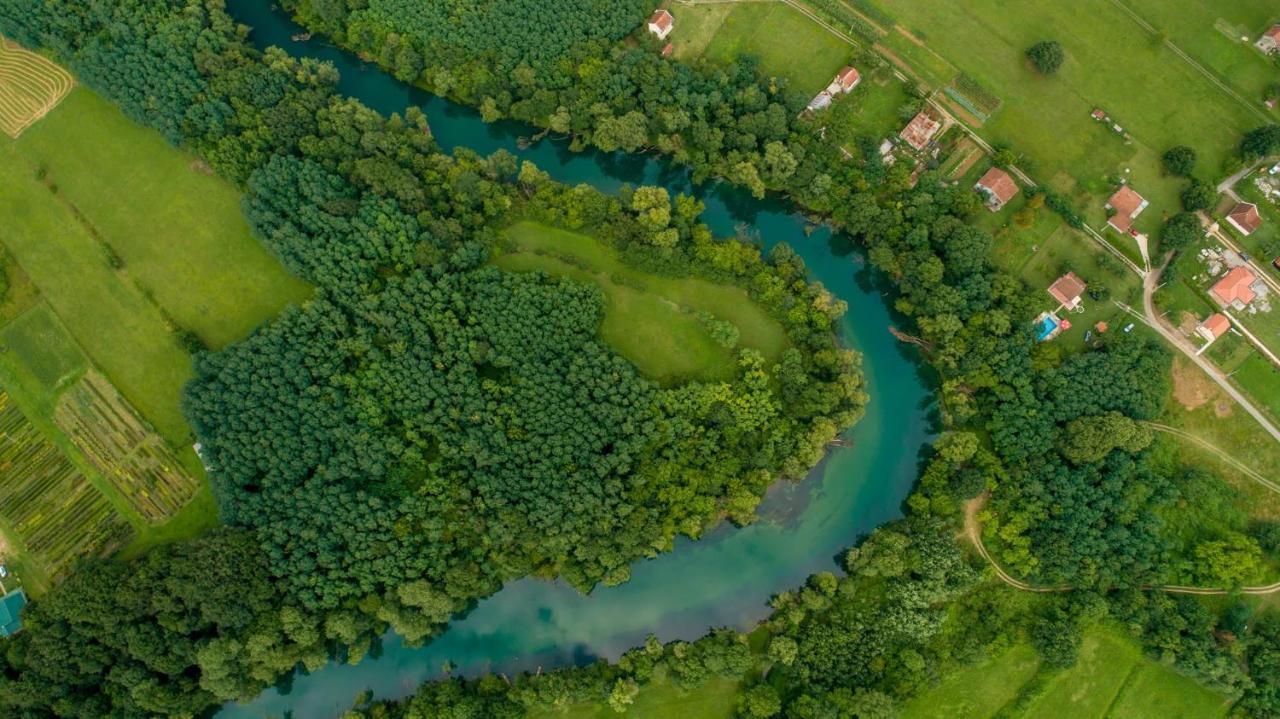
1245	217
1234	286
1099	114
1126	202
668	49
918	132
661	18
847	77
1102	327
1217	324
999	183
1067	289
1273	32
1121	222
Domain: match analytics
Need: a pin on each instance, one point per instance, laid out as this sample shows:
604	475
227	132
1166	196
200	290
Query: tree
1198	195
1089	439
1179	160
1046	56
623	694
761	702
1227	562
1261	141
1180	231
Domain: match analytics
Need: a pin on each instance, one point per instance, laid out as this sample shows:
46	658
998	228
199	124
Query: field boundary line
1220	453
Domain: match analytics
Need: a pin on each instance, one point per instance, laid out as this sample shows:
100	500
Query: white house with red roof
1235	289
661	23
1213	327
996	188
1270	40
844	82
1245	218
1128	204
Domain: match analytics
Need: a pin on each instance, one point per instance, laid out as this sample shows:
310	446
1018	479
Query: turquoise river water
723	579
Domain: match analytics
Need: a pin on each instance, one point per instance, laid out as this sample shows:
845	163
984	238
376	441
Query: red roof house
847	79
1234	287
1214	326
1245	218
1270	40
997	188
1067	290
1128	204
920	130
661	23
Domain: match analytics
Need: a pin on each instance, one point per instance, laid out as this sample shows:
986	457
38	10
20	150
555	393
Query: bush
1179	160
1198	195
1046	56
1179	231
1261	141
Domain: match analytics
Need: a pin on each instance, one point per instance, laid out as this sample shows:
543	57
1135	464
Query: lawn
788	44
1111	63
40	342
648	319
1068	250
178	229
716	699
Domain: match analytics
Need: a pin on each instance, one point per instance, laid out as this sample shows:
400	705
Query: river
723	579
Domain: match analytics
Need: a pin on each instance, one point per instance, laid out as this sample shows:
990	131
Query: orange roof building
1067	290
847	79
1245	218
996	188
1270	40
1213	326
1128	204
920	130
661	23
1235	287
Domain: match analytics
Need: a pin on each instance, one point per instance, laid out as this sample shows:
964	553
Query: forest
426	427
415	384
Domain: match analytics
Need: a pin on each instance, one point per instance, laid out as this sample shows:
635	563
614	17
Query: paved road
1228	185
1175	338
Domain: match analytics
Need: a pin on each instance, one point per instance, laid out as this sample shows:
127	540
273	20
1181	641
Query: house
920	130
661	23
1245	218
11	612
845	80
996	188
1213	326
1067	290
1127	204
1270	40
1235	288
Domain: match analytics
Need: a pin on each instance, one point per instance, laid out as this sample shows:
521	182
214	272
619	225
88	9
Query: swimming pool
1048	325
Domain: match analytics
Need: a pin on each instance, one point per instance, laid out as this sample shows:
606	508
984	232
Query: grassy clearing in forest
650	320
1111	679
177	229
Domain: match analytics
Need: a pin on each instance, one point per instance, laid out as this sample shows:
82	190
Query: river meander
723	579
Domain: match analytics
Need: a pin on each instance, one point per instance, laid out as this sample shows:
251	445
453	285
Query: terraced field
30	86
51	506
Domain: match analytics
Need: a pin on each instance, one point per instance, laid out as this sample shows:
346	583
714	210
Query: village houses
1245	218
920	130
661	23
996	188
1128	204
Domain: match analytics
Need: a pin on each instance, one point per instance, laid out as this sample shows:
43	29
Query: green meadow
650	320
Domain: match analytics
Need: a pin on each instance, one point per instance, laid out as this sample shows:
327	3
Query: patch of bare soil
1187	323
1192	389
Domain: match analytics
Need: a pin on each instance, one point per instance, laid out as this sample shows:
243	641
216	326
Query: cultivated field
30	86
51	506
650	320
123	449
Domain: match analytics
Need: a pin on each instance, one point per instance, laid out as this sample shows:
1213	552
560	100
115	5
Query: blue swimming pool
1047	327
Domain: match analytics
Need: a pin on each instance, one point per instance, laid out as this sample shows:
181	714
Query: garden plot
51	506
30	86
124	449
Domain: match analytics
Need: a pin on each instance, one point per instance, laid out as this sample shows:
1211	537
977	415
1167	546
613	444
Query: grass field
649	319
788	44
40	342
1200	27
30	86
1111	679
178	230
660	700
1111	63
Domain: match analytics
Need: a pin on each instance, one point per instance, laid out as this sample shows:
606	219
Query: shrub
1261	141
1046	56
1179	231
1198	195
